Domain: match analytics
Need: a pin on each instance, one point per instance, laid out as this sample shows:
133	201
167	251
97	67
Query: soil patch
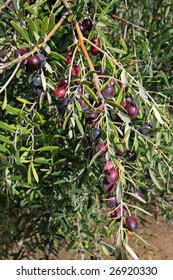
159	234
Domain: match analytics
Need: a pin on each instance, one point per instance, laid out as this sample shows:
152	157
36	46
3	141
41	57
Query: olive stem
82	45
5	5
25	56
10	79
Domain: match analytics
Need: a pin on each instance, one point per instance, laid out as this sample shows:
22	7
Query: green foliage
51	193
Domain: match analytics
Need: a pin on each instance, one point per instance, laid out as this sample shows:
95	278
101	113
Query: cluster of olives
33	65
92	117
97	142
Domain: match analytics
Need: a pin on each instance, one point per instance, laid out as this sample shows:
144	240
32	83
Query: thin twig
5	5
128	22
73	56
53	8
82	45
10	79
135	52
25	56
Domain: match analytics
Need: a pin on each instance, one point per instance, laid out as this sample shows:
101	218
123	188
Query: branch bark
25	56
82	45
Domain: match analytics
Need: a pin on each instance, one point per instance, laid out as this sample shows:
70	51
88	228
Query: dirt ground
157	233
160	235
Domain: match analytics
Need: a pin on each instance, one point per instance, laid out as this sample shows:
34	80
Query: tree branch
10	79
25	56
128	22
82	45
5	5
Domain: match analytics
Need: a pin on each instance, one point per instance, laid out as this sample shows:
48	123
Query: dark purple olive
111	201
146	129
131	223
101	70
62	104
80	90
41	94
131	156
83	105
33	63
82	28
91	116
112	176
132	110
88	152
87	23
94	51
118	213
37	80
96	134
43	59
63	82
108	91
107	187
60	93
102	147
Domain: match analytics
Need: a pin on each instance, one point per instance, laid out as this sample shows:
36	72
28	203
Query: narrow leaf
6	127
51	22
12	110
86	101
124	78
124	117
117	50
158	116
5	101
155	181
43	79
142	93
41	160
91	93
24	101
94	158
44	26
37	4
79	126
34	172
57	56
4	139
32	24
20	30
47	148
105	11
131	252
106	252
29	174
136	196
115	104
140	209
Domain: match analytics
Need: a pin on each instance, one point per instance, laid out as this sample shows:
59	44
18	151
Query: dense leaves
85	124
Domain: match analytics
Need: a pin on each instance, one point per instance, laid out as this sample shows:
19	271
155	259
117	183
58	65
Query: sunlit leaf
4	139
23	100
21	31
48	148
34	172
130	251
